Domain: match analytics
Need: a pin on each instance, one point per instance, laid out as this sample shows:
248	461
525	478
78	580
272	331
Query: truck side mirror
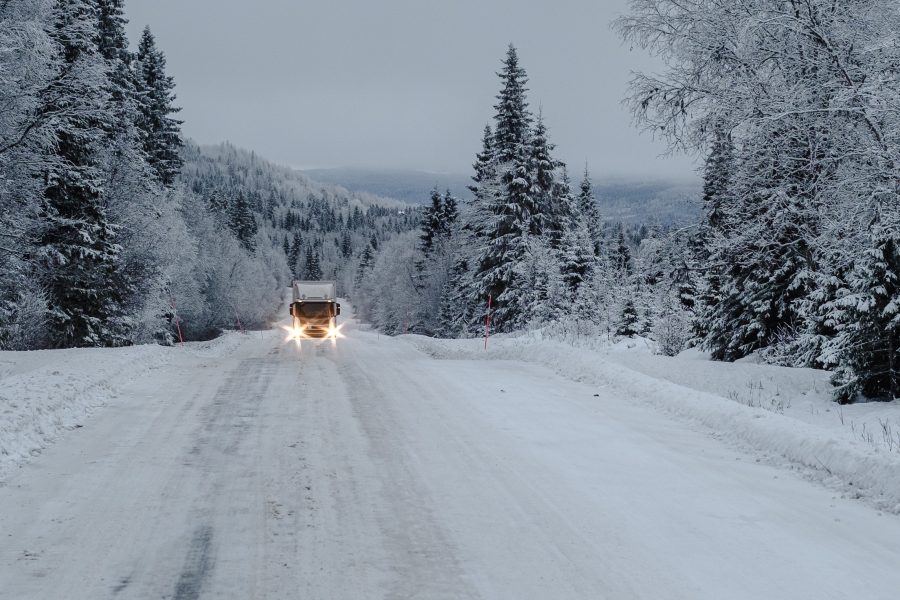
292	310
338	310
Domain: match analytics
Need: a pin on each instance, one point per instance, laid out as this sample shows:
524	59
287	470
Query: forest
794	106
114	230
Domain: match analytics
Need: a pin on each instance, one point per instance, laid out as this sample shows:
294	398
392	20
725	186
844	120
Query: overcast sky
399	83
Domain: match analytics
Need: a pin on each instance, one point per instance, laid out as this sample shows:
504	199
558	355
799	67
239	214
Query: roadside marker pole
487	322
237	318
177	320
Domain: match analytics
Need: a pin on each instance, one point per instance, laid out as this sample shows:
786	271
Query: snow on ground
784	415
369	469
45	393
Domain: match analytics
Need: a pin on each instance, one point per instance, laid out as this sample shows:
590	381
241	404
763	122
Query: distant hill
652	202
405	185
632	201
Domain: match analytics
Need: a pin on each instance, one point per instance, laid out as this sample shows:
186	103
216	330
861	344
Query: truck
315	309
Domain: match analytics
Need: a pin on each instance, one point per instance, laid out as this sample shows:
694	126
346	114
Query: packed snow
784	414
45	393
254	466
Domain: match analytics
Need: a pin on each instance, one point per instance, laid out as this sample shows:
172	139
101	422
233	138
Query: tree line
799	115
112	228
796	257
531	243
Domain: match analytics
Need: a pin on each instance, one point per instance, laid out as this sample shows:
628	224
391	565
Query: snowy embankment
47	392
784	415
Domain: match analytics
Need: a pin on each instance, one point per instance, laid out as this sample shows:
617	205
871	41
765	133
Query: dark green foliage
432	221
513	119
867	318
312	270
621	255
764	226
78	258
551	197
438	220
450	212
366	262
242	222
161	132
628	320
590	212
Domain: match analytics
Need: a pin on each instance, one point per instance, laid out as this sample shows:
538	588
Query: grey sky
399	83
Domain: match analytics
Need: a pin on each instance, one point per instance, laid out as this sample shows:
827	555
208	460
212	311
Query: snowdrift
713	394
45	393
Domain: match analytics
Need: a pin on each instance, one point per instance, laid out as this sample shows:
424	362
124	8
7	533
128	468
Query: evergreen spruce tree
484	162
763	238
512	119
311	269
628	320
576	251
455	318
590	212
479	218
161	132
866	314
717	172
79	256
294	255
366	262
449	212
112	42
506	204
242	222
217	204
123	83
551	198
346	245
432	221
316	271
622	254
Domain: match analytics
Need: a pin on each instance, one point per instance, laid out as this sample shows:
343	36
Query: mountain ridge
649	200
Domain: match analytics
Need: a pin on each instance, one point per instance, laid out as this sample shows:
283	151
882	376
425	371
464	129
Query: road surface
369	470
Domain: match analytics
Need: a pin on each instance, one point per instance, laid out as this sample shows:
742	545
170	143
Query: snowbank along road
370	470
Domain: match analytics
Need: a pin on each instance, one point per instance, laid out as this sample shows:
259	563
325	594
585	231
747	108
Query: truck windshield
315	310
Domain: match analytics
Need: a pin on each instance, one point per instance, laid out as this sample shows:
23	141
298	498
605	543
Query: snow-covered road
371	470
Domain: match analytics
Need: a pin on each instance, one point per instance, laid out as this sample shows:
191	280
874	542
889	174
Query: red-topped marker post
487	322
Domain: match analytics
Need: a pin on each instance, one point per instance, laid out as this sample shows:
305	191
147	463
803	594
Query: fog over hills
630	200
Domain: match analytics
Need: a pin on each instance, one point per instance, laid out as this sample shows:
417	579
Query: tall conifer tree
161	131
590	212
79	256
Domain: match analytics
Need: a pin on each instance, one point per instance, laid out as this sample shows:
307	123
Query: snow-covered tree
793	105
242	221
512	120
627	324
312	271
866	314
28	62
512	190
161	131
432	221
590	212
79	253
576	248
